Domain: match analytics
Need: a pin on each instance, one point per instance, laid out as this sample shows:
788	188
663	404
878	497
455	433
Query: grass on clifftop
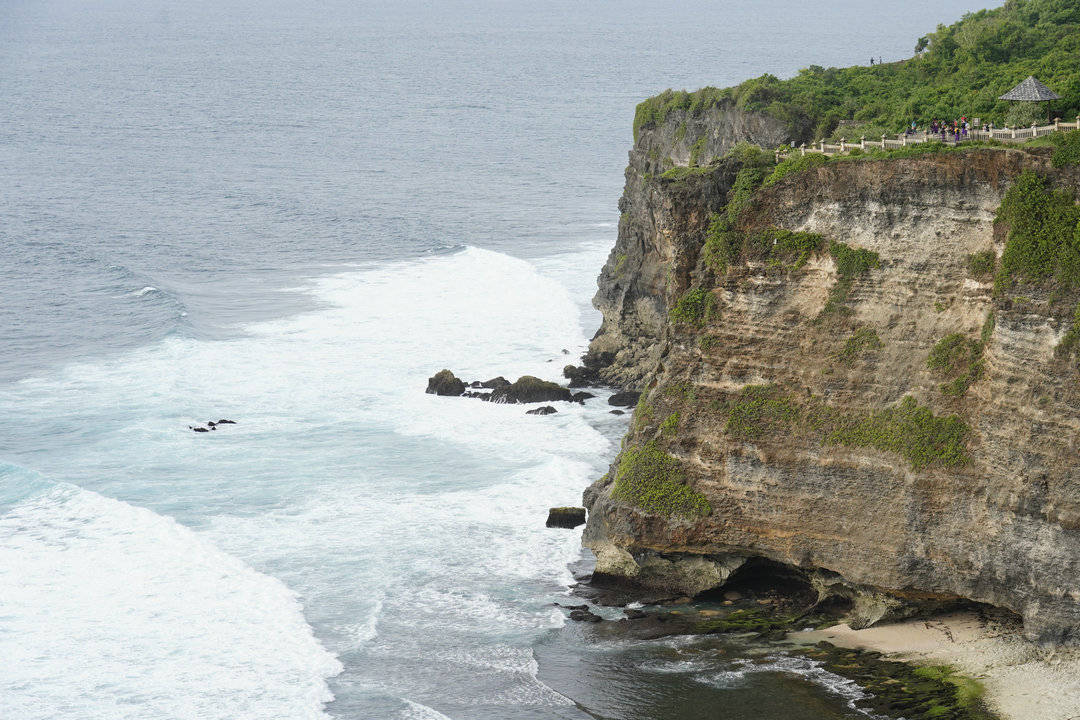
959	69
654	481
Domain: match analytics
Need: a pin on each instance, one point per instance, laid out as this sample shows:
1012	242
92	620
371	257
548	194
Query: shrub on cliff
981	264
910	430
761	410
1068	149
863	342
765	412
851	264
654	481
694	307
1044	242
959	358
795	164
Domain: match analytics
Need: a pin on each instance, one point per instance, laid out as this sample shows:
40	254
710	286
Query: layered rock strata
792	413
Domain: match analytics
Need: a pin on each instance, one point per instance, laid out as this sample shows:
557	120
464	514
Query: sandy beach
1023	681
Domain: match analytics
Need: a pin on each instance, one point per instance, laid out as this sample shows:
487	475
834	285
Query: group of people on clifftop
955	130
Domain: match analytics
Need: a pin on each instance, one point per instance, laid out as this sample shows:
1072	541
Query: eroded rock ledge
793	409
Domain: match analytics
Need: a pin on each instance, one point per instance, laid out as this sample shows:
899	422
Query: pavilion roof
1031	90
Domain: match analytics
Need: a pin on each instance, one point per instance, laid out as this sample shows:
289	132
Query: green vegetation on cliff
1044	239
763	412
725	241
909	430
959	69
981	264
650	479
851	264
863	342
694	307
958	358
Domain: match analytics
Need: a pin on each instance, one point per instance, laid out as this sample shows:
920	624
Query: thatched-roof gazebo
1031	90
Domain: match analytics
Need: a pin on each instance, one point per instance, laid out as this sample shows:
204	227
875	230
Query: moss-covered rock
446	383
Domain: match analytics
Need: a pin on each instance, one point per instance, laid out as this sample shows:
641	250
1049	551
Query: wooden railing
1006	134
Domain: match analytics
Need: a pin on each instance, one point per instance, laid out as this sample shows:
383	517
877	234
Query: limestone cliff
841	390
634	281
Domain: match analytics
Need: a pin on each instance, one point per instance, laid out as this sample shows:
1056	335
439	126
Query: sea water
290	215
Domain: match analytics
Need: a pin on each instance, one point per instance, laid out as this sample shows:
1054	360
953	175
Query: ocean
290	214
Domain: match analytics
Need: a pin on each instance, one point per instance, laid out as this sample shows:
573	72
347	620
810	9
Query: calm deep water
290	214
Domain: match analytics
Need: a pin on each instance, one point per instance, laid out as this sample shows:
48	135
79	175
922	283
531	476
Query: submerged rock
529	389
566	517
545	410
627	398
581	397
616	412
445	383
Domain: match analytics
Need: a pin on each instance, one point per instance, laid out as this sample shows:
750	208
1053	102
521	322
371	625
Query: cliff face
649	256
854	401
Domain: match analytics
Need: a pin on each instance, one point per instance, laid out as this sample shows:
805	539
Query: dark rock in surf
627	398
581	397
200	429
445	383
496	382
579	376
566	517
616	412
545	410
584	616
529	389
226	422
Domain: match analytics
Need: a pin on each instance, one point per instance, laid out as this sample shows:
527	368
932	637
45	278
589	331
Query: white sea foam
113	611
395	555
416	711
805	667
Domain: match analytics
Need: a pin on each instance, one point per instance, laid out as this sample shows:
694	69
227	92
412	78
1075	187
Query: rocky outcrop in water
794	409
529	389
445	383
566	517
